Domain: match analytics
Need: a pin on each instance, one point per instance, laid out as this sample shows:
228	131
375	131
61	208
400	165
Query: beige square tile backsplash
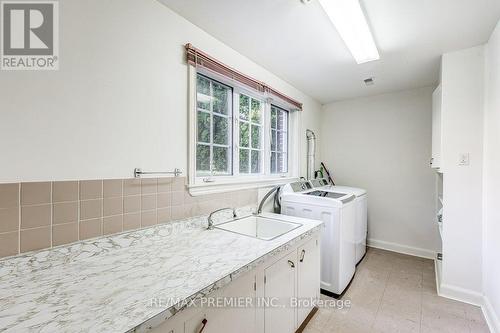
41	215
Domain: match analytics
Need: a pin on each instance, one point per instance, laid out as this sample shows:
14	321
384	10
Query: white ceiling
298	43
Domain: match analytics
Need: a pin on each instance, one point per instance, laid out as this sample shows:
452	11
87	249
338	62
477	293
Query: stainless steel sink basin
259	227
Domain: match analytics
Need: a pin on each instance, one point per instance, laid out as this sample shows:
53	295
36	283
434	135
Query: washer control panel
301	186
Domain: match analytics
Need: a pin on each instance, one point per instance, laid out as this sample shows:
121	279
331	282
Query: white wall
462	126
119	100
383	144
491	218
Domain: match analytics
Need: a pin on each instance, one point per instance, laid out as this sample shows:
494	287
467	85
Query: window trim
199	185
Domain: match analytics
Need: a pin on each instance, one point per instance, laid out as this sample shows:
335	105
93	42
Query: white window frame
211	144
199	185
237	91
287	152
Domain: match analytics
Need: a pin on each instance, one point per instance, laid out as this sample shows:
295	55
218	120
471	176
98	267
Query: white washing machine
337	211
361	212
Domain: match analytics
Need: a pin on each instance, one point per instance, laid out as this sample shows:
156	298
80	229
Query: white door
308	279
279	288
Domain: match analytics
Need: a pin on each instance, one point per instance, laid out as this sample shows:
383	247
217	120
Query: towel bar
138	172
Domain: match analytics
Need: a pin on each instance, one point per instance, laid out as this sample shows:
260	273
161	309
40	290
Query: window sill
229	186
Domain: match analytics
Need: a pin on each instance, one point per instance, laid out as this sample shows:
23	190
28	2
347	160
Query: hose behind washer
277	201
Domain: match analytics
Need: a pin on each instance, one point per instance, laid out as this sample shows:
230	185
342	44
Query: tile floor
392	292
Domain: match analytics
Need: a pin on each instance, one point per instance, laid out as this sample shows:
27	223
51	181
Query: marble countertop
109	284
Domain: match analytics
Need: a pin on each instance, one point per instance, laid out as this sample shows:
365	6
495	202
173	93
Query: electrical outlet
463	159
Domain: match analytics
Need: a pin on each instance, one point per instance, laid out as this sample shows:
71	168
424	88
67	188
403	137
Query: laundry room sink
259	227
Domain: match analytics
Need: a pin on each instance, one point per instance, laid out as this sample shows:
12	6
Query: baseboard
491	316
400	248
461	294
456	293
474	298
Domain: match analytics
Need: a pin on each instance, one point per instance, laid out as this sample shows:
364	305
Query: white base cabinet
279	295
279	291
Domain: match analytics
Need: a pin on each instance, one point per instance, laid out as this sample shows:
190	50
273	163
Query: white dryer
337	211
361	212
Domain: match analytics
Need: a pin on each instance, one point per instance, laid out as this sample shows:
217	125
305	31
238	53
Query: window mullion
262	139
250	136
211	129
267	141
236	133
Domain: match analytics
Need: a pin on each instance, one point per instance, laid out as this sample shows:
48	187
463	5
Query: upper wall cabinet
436	128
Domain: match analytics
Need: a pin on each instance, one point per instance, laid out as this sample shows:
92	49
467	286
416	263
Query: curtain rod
197	57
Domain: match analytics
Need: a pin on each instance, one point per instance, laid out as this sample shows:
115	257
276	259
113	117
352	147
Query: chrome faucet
264	199
211	221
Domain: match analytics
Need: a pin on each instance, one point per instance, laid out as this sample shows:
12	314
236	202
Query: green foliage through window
260	136
214	132
251	134
279	140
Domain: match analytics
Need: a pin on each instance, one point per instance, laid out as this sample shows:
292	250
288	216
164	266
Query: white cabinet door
228	312
172	325
279	288
198	322
308	279
239	314
436	128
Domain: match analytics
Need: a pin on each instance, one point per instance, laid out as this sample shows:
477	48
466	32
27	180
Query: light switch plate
463	159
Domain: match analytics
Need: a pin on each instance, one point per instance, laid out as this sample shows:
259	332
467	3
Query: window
214	130
240	136
251	135
279	140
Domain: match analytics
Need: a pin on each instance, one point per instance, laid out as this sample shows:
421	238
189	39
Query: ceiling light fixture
349	20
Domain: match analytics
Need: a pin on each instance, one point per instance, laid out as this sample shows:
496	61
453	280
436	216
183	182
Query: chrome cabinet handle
291	264
204	323
302	255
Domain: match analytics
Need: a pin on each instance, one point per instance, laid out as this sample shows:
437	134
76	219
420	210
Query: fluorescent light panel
350	22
